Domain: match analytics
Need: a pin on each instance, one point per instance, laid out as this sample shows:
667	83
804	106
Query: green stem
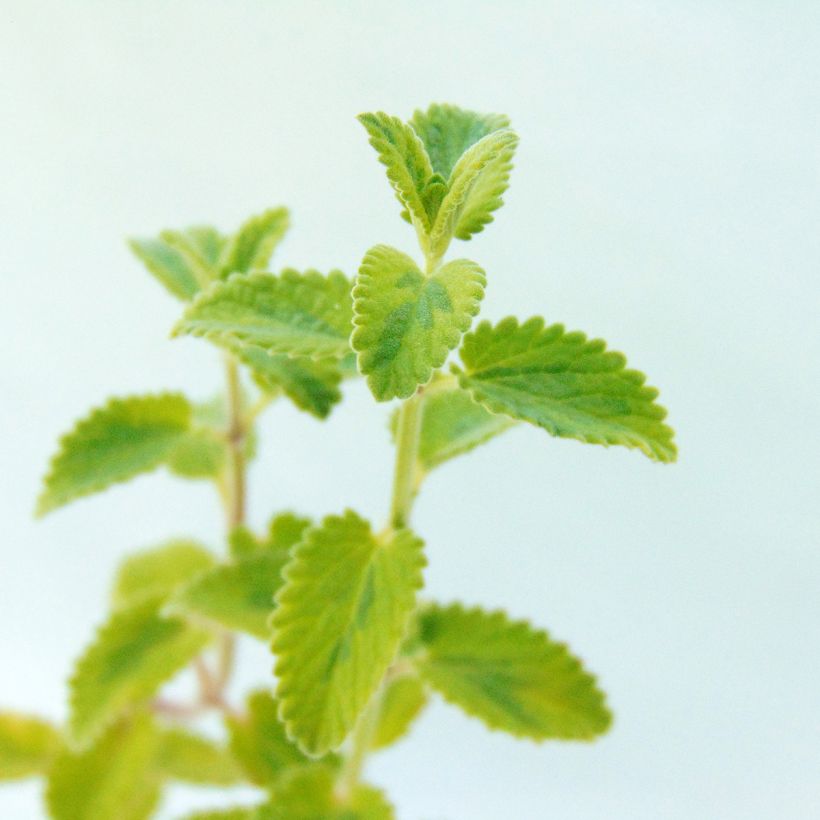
407	445
236	433
360	742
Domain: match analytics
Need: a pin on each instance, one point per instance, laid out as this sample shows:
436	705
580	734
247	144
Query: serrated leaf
339	619
200	247
133	654
509	675
115	779
168	265
234	813
252	245
192	758
285	530
406	323
402	701
448	131
258	740
112	444
307	793
408	167
27	746
475	188
156	573
571	386
299	314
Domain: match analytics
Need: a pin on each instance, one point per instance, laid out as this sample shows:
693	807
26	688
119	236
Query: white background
666	196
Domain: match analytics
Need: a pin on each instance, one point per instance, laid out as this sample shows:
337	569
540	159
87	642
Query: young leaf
114	443
406	323
285	530
234	813
448	131
199	454
307	793
509	675
339	619
251	247
168	265
402	701
27	746
570	386
131	657
201	248
115	779
475	188
157	572
300	314
258	740
191	758
407	163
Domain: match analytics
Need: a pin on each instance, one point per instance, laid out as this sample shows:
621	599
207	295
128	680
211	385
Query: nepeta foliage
357	654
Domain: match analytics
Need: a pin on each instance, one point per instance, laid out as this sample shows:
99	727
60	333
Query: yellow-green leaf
192	758
402	701
27	746
252	245
168	265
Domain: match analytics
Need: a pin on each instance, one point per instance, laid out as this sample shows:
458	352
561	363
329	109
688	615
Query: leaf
157	572
406	323
27	746
570	386
168	265
307	793
408	166
252	245
339	619
131	657
234	813
448	131
200	247
402	701
311	386
258	740
285	530
115	779
112	444
191	758
200	453
475	188
509	675
299	314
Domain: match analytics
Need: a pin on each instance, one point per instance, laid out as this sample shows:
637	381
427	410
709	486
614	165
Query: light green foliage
307	793
406	322
565	383
27	746
200	247
168	265
258	740
199	454
133	654
403	699
509	675
236	813
191	758
115	779
300	314
252	245
339	619
114	443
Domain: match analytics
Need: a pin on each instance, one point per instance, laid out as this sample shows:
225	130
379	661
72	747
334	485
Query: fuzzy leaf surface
571	386
114	443
27	746
509	675
299	314
403	700
133	654
253	244
192	758
339	619
406	323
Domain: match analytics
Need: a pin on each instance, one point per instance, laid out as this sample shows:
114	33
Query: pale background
665	197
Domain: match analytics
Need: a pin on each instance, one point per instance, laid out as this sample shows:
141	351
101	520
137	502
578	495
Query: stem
360	743
236	445
407	445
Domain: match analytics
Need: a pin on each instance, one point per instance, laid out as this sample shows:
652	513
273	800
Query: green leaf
258	740
157	572
251	247
475	188
509	675
403	699
200	453
311	386
299	314
234	813
27	746
115	779
406	323
340	617
408	166
200	248
131	657
448	131
114	443
285	530
565	383
307	793
168	265
191	758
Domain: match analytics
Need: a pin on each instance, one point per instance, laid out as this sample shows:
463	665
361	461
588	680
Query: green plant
357	653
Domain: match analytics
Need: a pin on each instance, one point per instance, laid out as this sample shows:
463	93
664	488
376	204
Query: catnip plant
357	652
